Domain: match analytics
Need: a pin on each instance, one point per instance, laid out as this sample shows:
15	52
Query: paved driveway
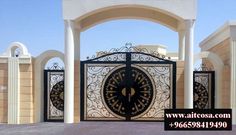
101	128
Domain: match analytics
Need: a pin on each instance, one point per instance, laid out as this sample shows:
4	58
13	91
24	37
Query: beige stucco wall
76	93
180	84
226	88
223	51
3	92
26	93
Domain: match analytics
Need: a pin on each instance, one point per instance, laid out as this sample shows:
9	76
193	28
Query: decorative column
188	65
181	44
69	72
233	80
13	91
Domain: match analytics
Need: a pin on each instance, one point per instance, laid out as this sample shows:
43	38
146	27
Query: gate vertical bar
82	91
128	77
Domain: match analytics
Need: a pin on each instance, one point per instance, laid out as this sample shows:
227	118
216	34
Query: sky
39	25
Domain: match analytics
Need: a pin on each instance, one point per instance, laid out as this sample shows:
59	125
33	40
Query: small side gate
127	84
204	88
54	94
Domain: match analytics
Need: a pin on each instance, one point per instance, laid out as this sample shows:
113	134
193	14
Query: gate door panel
204	85
54	94
127	86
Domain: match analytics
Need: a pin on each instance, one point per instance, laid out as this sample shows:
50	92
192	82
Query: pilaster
13	91
233	80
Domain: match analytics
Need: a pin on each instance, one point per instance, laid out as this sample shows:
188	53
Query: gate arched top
135	54
212	57
43	58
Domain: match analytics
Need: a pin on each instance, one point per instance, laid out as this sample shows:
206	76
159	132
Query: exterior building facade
22	94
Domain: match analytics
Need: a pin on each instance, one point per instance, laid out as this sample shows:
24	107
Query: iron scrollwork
57	95
94	107
201	96
203	88
128	83
162	78
54	93
118	54
117	95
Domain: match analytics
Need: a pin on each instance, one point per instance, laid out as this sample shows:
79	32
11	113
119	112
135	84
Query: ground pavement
101	128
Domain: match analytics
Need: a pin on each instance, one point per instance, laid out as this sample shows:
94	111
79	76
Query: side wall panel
76	92
26	93
180	84
3	92
223	51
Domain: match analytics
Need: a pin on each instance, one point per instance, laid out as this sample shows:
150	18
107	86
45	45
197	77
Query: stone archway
80	15
218	66
40	62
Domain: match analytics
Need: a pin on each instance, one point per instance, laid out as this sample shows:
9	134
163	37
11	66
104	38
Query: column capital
185	24
69	22
189	23
72	24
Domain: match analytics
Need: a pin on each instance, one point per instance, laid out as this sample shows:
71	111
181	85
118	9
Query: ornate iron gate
127	84
204	88
54	94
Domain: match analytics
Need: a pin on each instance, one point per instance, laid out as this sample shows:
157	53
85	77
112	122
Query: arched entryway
40	63
218	66
78	20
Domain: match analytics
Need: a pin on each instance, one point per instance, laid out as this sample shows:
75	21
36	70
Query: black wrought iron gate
54	94
127	84
204	88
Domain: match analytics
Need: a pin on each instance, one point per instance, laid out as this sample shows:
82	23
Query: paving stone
100	128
